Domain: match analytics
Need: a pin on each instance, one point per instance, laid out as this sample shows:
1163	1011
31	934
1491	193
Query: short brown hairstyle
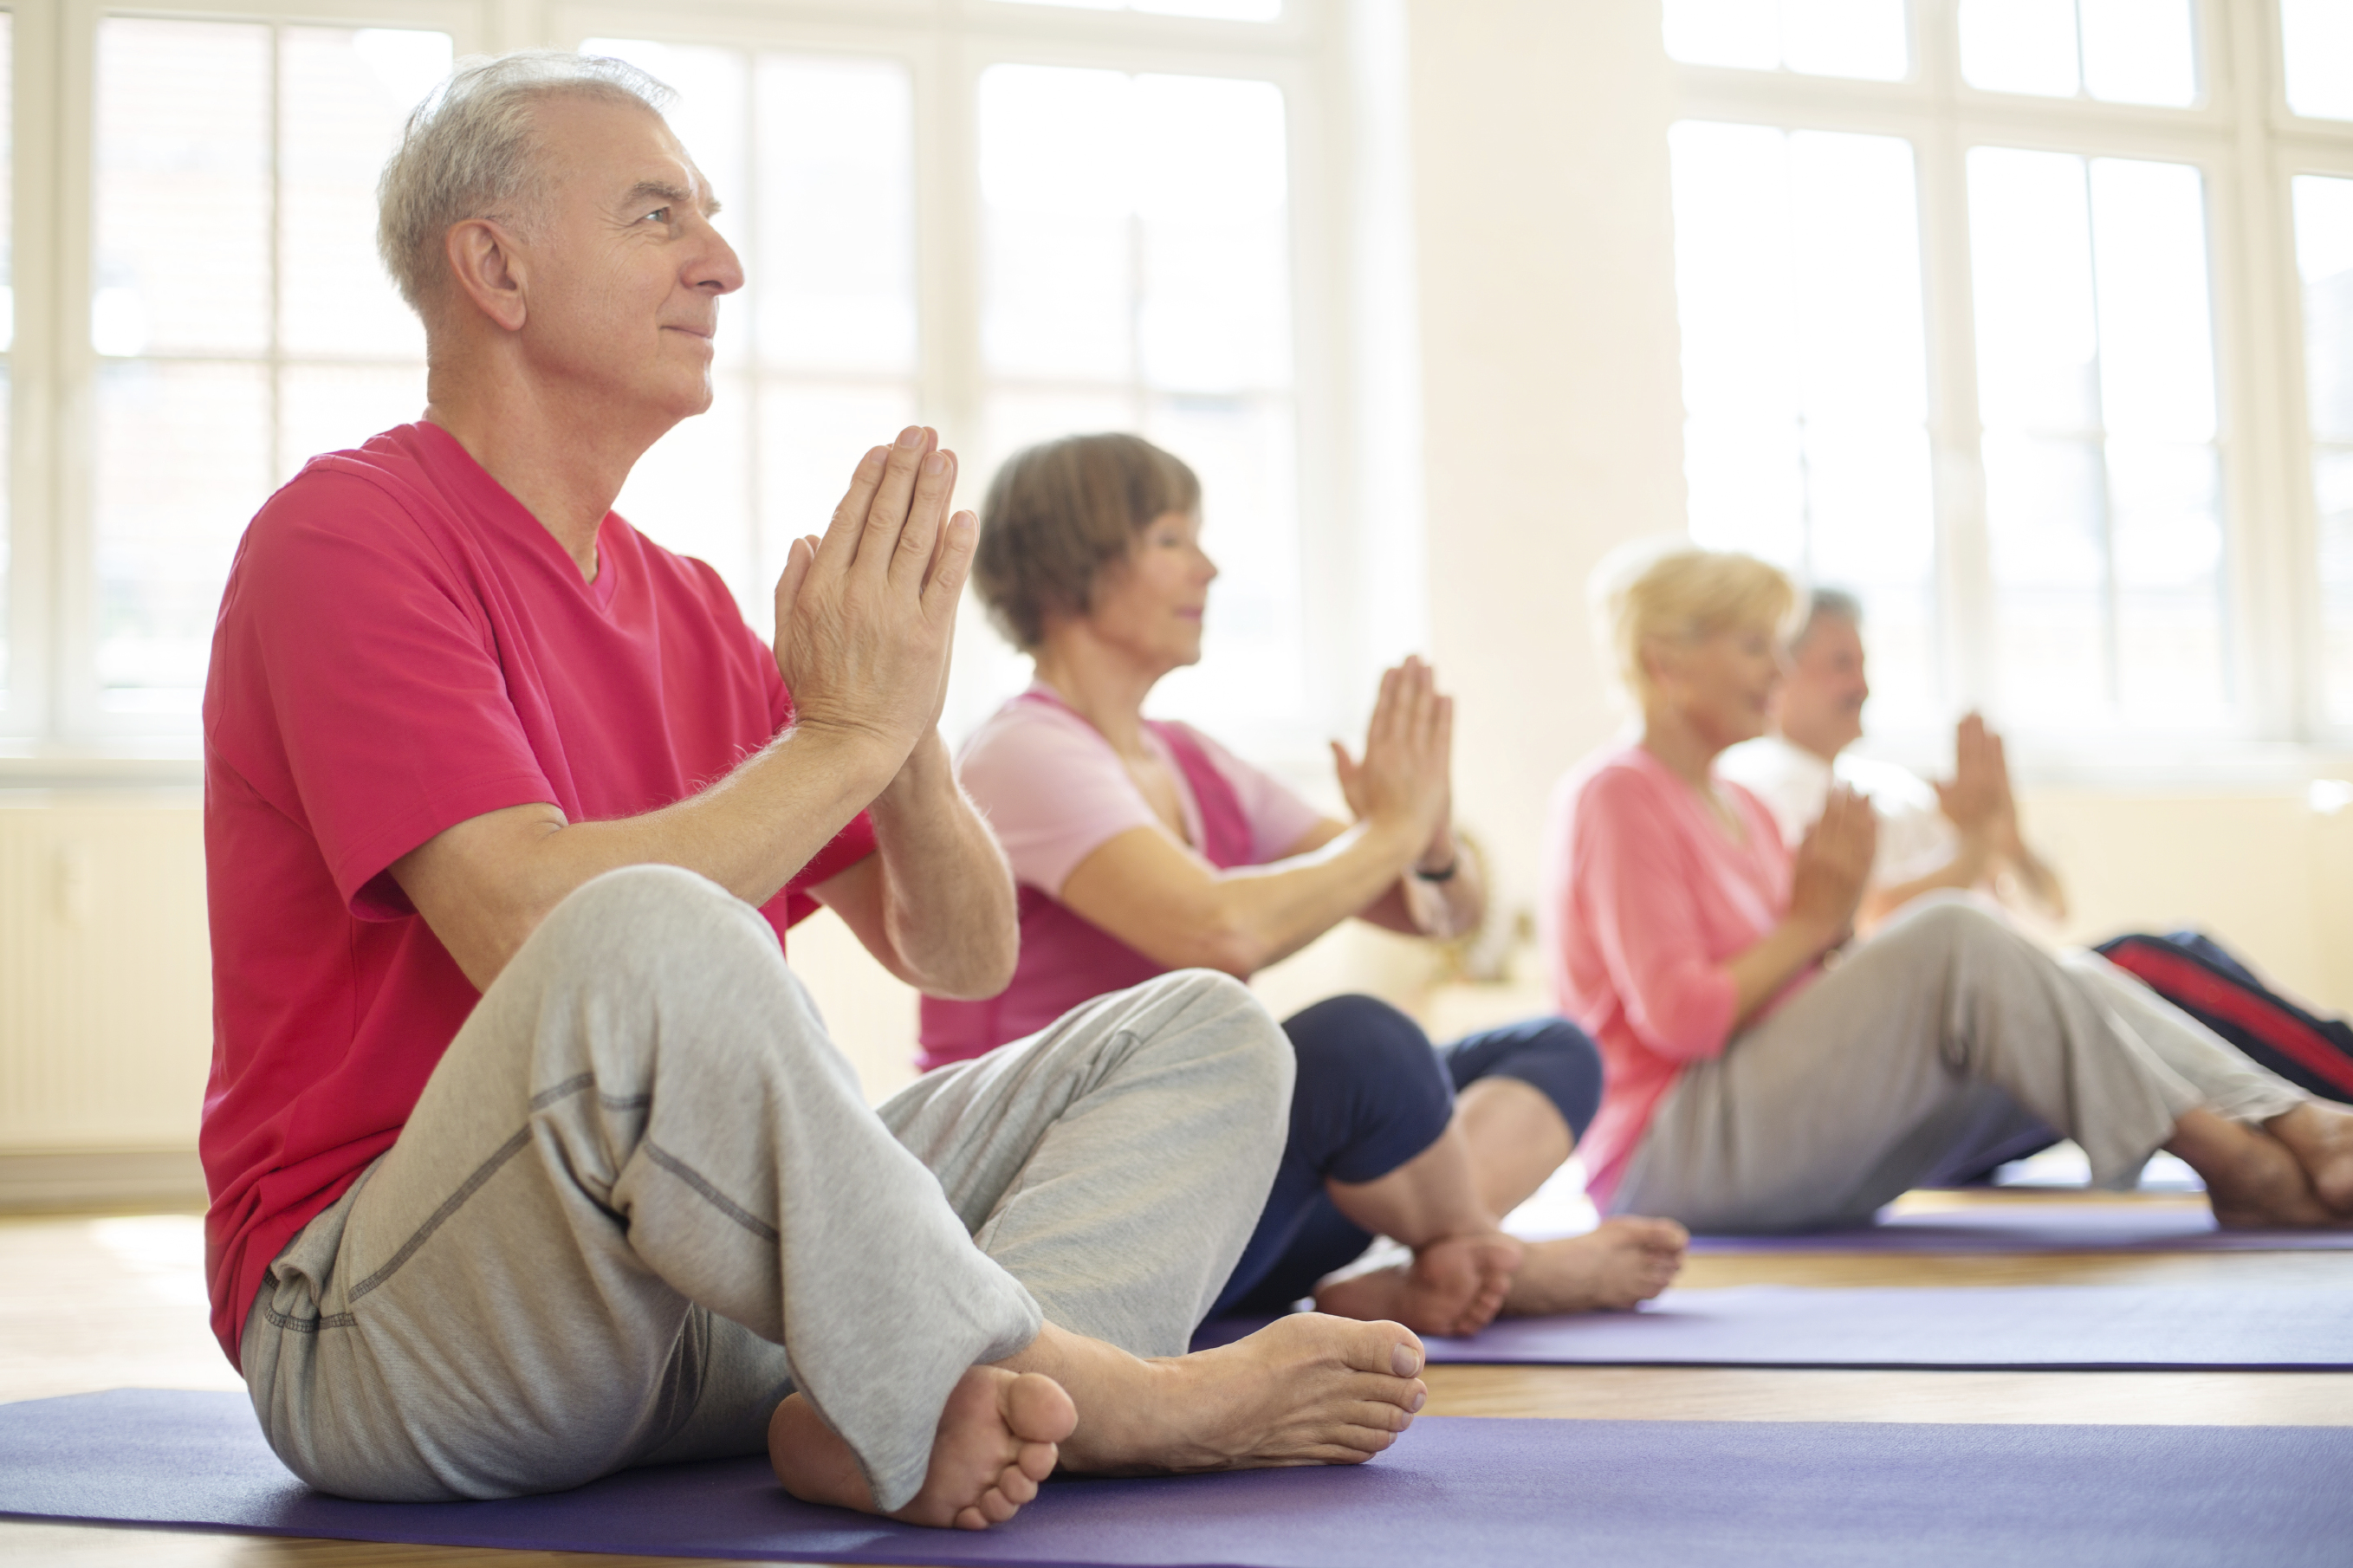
1061	511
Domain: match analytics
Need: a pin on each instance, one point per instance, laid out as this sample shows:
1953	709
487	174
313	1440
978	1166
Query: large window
1011	220
1979	321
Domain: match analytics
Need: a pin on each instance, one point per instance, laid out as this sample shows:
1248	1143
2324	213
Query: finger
886	514
1444	739
927	513
840	543
946	584
798	560
1384	725
1344	765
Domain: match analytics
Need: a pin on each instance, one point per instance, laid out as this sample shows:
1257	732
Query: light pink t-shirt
1055	792
1646	899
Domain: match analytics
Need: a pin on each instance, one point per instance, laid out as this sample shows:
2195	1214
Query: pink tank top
1066	960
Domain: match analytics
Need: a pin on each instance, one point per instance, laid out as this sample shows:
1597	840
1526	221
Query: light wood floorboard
110	1301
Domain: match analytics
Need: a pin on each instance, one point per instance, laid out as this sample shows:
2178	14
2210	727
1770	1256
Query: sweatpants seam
473	1184
711	1195
278	1319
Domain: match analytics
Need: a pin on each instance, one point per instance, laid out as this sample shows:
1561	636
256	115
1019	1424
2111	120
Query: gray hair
467	151
1822	602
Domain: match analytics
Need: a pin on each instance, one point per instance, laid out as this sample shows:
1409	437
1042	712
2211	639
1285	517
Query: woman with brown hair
1142	846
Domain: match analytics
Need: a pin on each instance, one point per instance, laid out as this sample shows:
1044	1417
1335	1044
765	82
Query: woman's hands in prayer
1405	781
1833	866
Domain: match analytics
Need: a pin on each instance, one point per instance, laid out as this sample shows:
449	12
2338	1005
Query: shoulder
1031	747
1891	787
1615	783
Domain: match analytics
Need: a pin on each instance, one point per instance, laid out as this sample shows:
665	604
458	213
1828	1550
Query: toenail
1404	1360
1420	1398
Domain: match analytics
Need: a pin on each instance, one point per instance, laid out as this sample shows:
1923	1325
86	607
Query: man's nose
716	267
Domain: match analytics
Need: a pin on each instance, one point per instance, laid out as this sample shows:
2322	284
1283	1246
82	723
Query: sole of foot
1611	1268
1307	1389
2321	1138
1451	1287
999	1436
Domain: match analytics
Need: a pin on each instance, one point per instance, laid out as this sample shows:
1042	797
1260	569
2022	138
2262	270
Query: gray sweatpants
1949	1028
642	1198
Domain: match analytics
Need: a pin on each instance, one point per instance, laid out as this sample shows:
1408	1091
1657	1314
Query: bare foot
2321	1138
1305	1390
997	1439
2254	1181
1453	1287
1608	1269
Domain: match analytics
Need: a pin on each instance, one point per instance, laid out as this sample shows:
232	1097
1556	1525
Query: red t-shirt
402	646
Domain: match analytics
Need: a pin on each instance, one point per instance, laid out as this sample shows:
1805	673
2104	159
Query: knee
1946	925
1352	1038
1220	1016
639	916
1561	1062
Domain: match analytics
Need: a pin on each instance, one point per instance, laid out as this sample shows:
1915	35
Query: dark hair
1061	511
1821	601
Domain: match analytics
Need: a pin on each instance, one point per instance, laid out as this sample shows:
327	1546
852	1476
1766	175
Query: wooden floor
107	1301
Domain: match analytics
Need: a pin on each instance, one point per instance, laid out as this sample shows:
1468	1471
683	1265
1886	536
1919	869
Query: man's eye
659	214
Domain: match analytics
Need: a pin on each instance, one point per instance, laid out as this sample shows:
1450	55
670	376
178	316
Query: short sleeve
1052	789
1634	894
1278	815
356	684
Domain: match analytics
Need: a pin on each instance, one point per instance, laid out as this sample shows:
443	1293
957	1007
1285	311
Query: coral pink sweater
1646	897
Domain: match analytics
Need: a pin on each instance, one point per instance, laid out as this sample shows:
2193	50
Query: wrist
862	754
1441	859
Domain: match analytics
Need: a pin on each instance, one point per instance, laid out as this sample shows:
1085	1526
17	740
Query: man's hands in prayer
866	616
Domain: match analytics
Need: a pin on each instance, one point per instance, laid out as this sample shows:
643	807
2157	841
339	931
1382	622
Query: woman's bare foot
998	1437
1305	1390
2254	1181
1453	1288
1615	1267
2321	1138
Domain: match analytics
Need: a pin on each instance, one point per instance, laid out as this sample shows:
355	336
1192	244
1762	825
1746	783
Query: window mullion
1964	574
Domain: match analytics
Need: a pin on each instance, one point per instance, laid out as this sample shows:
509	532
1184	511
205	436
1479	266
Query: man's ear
488	270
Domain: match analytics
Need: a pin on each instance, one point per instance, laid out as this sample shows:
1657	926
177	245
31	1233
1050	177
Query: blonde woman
1750	1088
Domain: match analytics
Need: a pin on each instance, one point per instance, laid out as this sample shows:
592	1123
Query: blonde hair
1654	590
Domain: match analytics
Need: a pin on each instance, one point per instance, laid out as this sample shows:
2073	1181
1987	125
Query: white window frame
54	729
2247	146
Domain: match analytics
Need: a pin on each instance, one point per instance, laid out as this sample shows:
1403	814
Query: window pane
837	233
1819	38
182	197
1137	277
2317	43
2140	51
183	461
2030	252
2095	376
334	407
2324	255
2120	51
1056	151
2021	46
345	93
1798	278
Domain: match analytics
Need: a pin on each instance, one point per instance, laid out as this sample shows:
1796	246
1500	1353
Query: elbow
1229	947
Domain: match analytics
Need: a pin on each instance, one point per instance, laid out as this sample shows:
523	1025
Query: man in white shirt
1961	834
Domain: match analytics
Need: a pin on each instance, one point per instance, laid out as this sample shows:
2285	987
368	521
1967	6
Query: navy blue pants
1372	1093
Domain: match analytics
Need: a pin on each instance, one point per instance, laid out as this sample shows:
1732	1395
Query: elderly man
1961	834
530	1158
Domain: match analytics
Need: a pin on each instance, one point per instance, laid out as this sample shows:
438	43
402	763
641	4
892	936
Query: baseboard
62	1180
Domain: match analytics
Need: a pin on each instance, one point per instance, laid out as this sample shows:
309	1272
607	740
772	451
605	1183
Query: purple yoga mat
2049	1328
2034	1225
1453	1492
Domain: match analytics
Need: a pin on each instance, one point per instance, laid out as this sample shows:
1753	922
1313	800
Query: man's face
1820	705
624	268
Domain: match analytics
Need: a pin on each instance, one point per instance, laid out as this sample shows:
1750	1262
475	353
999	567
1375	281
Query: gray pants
642	1198
1950	1027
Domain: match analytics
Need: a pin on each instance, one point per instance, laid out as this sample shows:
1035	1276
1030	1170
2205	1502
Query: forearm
2037	882
1758	974
1968	869
1451	907
485	885
948	905
1260	914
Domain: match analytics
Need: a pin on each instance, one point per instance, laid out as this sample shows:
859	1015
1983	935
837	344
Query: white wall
1551	388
